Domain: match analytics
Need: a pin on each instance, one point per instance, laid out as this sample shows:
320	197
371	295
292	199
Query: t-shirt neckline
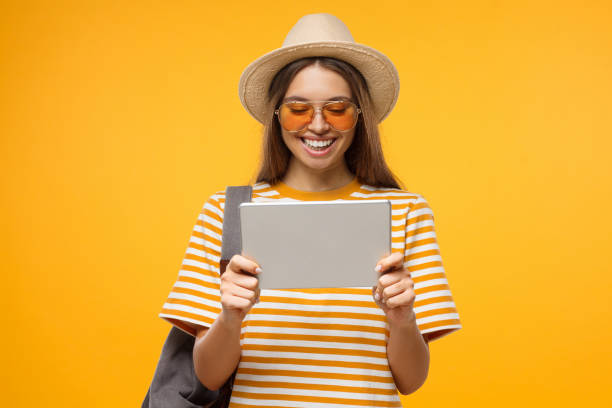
337	193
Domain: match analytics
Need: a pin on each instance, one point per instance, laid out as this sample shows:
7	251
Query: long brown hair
364	156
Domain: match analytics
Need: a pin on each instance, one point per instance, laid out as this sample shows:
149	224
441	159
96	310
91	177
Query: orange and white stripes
316	347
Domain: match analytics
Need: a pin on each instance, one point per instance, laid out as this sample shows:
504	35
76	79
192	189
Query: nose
318	124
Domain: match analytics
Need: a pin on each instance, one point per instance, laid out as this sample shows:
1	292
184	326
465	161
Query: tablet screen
316	244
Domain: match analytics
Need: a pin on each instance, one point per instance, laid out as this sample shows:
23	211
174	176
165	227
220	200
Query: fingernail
378	268
258	270
376	296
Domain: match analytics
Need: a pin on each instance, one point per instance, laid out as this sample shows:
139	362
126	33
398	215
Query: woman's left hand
394	293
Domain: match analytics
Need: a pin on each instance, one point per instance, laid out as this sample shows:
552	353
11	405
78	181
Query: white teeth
318	143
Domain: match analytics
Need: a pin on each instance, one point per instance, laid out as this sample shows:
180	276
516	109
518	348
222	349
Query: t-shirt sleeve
436	313
195	297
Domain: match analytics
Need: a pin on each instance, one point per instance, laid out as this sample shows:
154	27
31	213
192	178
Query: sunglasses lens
295	116
340	115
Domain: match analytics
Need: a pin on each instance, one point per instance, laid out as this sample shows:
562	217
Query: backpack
175	383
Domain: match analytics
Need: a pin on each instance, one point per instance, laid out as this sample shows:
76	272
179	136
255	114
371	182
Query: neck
307	179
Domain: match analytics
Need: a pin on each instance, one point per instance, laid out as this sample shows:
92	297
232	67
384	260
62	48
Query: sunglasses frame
320	108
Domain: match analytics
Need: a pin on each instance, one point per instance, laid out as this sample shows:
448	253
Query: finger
235	302
376	296
397	288
405	298
245	281
378	291
386	280
244	293
383	267
389	263
391	278
375	293
393	290
240	264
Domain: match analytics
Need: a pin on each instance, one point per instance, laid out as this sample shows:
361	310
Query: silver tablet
316	244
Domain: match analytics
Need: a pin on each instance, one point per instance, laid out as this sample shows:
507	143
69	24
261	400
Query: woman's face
316	83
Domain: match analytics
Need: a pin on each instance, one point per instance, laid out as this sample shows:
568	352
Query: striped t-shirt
316	347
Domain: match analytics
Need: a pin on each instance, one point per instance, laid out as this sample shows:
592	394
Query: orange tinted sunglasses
295	116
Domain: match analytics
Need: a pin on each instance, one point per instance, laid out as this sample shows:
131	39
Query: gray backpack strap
231	243
174	382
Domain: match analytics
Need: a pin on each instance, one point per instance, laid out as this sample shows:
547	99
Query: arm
408	355
407	350
216	351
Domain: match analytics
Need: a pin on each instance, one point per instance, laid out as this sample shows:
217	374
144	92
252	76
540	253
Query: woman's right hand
239	289
219	346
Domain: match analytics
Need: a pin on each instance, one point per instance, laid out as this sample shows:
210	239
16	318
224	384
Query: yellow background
118	119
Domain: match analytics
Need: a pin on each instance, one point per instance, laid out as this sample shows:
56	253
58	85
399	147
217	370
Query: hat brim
380	74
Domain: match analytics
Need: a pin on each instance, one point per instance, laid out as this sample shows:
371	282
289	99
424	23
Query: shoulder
406	206
398	197
216	201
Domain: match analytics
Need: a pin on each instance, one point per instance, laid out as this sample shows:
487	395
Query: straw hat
326	36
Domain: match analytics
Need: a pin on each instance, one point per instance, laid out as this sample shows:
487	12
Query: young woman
323	96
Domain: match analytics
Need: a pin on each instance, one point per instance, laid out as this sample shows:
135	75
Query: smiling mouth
317	145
